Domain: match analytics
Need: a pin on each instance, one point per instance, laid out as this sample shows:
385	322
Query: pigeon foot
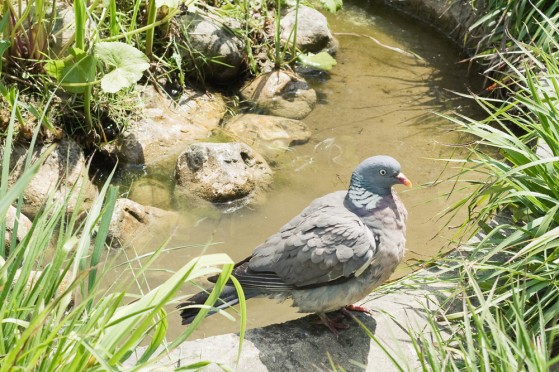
333	324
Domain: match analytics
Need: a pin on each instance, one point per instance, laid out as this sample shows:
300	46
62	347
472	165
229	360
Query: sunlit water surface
376	101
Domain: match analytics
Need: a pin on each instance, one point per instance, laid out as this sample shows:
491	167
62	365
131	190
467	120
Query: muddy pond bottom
375	101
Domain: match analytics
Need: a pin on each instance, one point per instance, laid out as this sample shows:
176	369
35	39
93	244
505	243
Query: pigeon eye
382	172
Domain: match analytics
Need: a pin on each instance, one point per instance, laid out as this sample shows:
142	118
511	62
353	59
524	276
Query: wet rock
313	34
135	223
269	135
23	227
281	93
221	172
211	49
166	128
63	173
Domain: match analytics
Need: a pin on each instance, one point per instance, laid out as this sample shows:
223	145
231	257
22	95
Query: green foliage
26	27
320	61
332	5
55	311
128	63
484	337
509	282
503	24
508	21
147	28
4	45
75	72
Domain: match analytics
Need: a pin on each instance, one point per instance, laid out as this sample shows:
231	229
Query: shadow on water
376	101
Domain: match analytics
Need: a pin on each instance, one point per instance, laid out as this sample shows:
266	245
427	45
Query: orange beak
403	180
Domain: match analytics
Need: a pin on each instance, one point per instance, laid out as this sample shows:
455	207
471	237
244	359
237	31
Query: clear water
376	101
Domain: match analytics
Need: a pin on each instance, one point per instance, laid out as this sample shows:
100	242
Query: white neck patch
363	198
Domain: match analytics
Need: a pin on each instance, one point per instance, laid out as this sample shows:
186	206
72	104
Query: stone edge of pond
453	18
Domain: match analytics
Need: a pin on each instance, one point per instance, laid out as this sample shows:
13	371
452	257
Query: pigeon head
378	174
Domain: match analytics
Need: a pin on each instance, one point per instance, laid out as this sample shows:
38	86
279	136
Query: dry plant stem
394	49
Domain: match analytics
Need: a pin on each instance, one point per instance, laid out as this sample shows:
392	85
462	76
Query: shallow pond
376	101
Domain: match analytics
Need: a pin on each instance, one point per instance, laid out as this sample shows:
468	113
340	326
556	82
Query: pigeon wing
326	242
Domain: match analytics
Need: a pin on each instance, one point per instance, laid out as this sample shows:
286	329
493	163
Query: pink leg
360	309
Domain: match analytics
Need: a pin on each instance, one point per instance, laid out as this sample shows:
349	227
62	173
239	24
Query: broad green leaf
332	5
74	72
129	64
321	61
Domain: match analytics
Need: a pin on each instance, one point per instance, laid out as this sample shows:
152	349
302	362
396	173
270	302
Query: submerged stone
133	224
269	135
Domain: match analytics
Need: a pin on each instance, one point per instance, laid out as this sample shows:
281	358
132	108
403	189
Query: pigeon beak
403	180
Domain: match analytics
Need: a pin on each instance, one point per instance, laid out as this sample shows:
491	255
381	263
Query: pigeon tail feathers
191	307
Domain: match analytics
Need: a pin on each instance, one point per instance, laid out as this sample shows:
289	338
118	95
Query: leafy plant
78	72
501	26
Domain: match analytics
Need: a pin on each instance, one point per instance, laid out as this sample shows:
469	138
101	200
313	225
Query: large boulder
167	127
313	34
221	172
281	93
211	49
269	135
63	174
138	224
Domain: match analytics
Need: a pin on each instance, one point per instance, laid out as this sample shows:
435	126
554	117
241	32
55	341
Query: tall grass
55	314
508	283
502	24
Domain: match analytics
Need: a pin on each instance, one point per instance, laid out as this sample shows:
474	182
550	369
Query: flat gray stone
301	345
267	134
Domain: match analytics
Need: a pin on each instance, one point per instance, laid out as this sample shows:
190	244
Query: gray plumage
335	252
